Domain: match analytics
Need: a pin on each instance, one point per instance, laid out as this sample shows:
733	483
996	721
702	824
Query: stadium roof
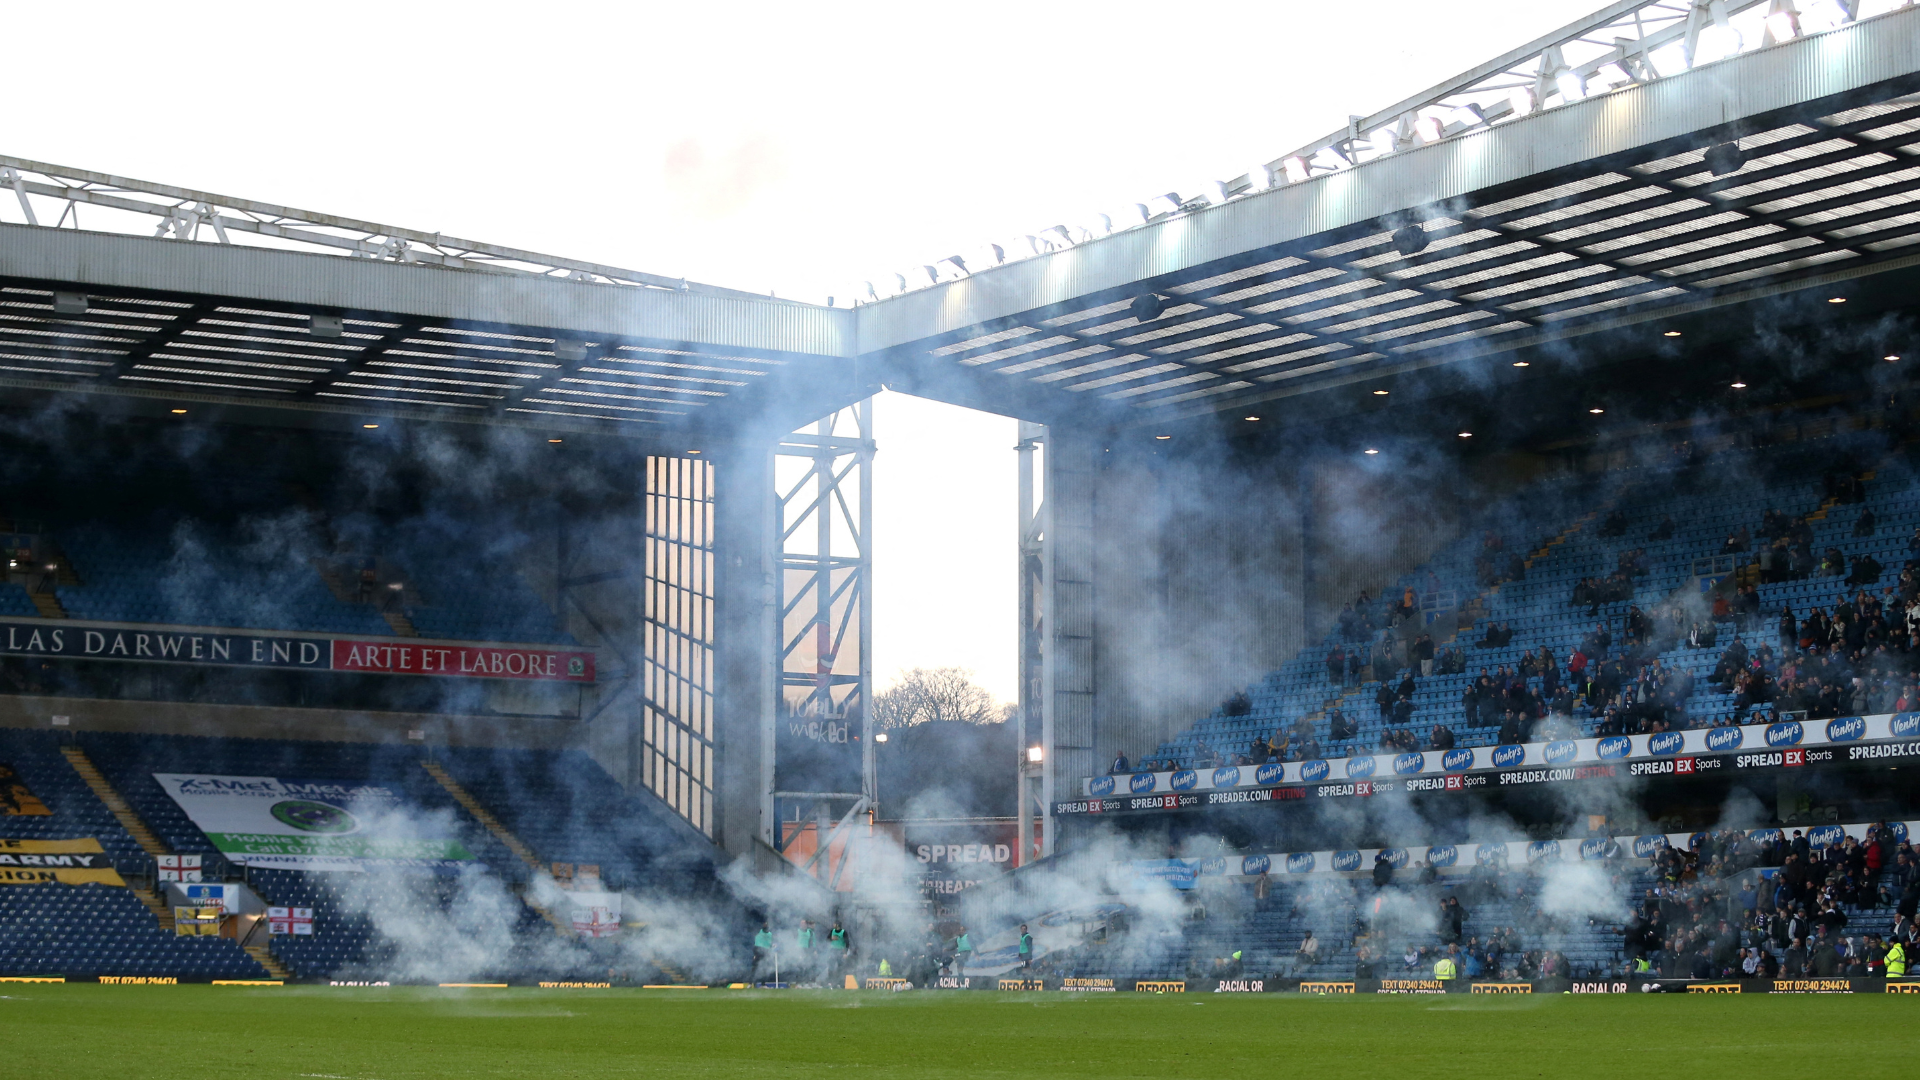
214	323
1557	191
1592	215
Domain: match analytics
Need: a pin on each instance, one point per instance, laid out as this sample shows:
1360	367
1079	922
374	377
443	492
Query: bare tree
922	694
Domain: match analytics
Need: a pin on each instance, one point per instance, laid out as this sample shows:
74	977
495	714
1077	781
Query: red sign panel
463	661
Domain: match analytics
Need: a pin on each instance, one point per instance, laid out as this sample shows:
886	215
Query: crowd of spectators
1732	908
1858	655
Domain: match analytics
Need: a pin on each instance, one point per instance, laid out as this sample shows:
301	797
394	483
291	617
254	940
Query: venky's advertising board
213	648
311	824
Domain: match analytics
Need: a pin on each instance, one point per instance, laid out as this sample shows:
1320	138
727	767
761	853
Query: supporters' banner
197	921
260	818
179	867
998	952
224	898
67	862
160	645
595	914
16	799
1178	873
290	920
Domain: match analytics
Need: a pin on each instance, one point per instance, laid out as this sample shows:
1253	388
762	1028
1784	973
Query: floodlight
999	253
882	737
1571	86
1520	100
1259	178
1429	128
1724	159
1296	170
1372	451
1825	15
1613	75
326	326
1147	307
958	264
1467	115
1057	238
569	352
1036	754
931	275
1718	40
1098	225
1410	239
899	280
69	303
1782	22
1136	214
1164	204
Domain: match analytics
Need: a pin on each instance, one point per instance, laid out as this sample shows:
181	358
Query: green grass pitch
319	1033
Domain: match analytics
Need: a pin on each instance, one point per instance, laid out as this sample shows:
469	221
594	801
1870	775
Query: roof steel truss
1814	195
210	348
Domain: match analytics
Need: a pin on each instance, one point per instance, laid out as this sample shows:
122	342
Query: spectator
1866	570
1421	653
1307	954
1120	764
1865	523
1382	871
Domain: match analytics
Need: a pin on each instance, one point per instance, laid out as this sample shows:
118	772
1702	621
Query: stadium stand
559	806
256	543
56	929
1732	905
1572	531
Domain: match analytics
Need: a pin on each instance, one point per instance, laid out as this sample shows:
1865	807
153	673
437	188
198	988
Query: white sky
786	147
